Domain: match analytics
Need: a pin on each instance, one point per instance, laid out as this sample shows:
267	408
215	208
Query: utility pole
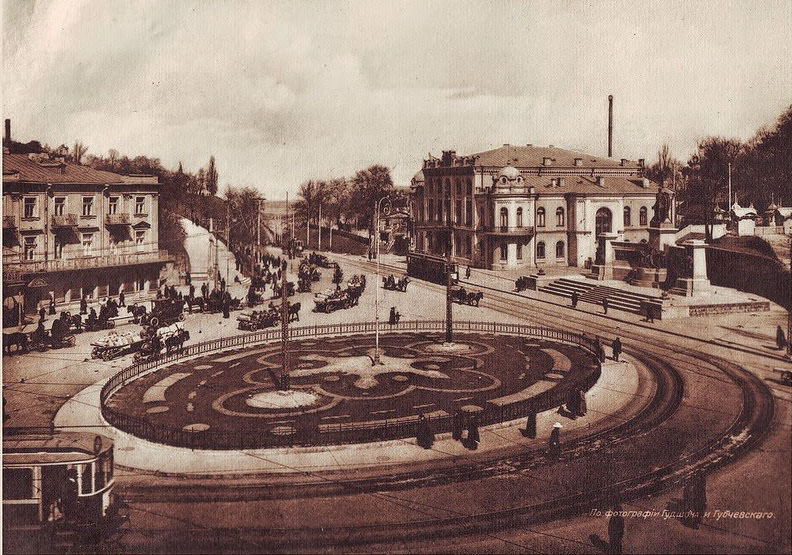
789	309
284	328
449	335
211	265
228	235
728	207
258	226
320	226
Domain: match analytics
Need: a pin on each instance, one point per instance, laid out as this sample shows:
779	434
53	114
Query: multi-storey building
71	231
527	206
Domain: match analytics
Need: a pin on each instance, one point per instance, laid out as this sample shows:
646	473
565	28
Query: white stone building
528	206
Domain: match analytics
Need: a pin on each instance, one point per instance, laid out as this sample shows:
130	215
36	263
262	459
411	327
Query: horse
137	311
294	312
473	299
176	341
16	338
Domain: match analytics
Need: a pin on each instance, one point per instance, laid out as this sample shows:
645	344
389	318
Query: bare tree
78	152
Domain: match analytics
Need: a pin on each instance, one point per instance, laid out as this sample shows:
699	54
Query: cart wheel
154	321
181	317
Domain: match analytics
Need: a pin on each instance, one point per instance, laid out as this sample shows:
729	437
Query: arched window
560	249
504	252
560	217
540	217
504	217
604	218
627	216
519	217
642	216
540	250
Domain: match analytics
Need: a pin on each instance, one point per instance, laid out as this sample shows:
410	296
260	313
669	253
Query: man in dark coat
121	300
616	530
574	299
83	306
617	349
554	442
530	425
781	341
52	306
226	308
605	304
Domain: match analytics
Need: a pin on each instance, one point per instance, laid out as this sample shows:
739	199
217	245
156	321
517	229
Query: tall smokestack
8	131
610	126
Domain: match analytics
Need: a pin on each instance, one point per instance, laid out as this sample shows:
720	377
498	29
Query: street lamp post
377	208
449	336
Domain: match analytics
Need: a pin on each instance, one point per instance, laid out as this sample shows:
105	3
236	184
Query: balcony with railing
9	222
508	230
64	220
118	219
15	268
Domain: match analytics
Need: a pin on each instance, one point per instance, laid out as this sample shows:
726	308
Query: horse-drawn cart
335	300
116	345
171	337
460	295
392	284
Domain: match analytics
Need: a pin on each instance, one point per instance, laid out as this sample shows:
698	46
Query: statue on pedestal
662	208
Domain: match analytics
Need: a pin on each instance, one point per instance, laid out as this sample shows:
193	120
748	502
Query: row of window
31	245
642	216
31	206
437	186
458	219
540	250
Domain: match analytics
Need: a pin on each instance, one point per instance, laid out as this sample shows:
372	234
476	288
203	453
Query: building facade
71	231
527	206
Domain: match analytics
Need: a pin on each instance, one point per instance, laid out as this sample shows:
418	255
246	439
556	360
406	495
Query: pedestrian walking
192	291
52	306
582	406
599	350
530	425
83	306
616	529
781	340
467	273
572	403
43	313
617	349
121	300
458	426
574	299
226	309
554	442
605	304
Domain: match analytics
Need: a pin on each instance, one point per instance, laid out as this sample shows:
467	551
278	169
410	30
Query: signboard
38	282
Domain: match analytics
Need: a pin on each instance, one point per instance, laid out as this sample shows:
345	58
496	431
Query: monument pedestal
650	277
604	270
698	282
662	236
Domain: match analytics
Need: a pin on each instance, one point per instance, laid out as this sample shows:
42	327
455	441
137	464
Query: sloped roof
785	212
533	156
588	185
32	172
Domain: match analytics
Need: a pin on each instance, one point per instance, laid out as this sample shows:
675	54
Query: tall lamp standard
377	208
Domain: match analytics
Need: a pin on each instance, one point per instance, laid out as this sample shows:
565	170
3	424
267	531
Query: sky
283	92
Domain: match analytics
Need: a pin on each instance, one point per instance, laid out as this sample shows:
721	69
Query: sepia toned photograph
367	276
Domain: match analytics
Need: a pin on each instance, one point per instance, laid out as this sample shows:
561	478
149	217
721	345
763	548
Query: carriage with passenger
171	338
163	313
462	296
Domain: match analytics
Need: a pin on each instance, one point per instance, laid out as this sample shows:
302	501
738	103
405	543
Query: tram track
670	368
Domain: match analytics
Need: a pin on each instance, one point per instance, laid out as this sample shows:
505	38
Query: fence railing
309	432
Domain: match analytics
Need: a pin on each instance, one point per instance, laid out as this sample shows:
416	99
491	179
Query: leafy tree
369	186
211	176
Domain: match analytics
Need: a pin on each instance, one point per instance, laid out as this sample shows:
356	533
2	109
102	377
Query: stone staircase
618	299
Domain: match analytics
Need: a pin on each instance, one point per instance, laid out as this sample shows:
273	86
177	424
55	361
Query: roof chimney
645	182
624	161
641	162
8	131
600	181
578	161
560	182
610	125
546	161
